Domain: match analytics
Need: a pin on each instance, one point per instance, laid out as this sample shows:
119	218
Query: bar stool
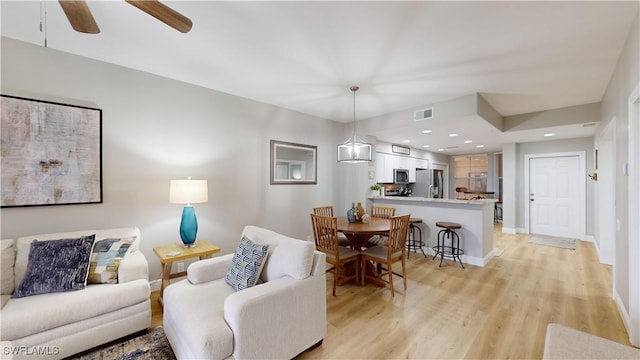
412	243
497	211
448	232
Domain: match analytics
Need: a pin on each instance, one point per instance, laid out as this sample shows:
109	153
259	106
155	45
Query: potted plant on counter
376	190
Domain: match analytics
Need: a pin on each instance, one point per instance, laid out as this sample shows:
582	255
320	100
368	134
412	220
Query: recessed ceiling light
479	146
425	146
549	134
406	141
454	134
468	141
426	131
440	149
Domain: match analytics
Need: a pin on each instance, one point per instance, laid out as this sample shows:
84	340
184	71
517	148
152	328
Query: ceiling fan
82	21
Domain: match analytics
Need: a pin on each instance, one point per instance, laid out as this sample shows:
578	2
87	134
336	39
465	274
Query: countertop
433	200
475	216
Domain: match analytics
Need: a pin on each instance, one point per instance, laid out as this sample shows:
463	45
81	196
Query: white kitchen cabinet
403	162
384	168
422	164
385	163
380	167
415	163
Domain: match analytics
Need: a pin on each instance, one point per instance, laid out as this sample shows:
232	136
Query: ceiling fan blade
79	16
163	13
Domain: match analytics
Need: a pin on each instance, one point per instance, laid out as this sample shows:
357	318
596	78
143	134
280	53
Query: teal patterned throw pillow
105	260
246	264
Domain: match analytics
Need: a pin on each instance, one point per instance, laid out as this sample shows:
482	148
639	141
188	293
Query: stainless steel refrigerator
429	184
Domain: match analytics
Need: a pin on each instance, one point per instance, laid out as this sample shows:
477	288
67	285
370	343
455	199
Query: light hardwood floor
497	312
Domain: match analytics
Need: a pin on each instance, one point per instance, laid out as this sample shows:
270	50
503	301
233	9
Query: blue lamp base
188	226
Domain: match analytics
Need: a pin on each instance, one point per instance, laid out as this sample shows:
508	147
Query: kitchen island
475	216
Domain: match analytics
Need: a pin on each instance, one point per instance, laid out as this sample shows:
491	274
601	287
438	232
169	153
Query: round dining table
358	233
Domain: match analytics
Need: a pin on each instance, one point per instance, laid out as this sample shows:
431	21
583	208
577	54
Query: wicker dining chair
325	233
328	211
392	252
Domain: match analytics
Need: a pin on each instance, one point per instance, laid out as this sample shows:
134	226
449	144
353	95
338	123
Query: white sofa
60	324
279	318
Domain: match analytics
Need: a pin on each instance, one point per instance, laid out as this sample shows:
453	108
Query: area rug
559	242
150	344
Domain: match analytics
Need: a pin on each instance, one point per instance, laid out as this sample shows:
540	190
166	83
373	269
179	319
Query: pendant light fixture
354	150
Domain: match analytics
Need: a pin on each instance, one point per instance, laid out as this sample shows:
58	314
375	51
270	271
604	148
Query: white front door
554	196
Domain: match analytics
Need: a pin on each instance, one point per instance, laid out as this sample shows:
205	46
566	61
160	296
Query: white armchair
281	317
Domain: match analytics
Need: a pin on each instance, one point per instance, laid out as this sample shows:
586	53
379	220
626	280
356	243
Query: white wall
154	130
557	146
615	106
509	190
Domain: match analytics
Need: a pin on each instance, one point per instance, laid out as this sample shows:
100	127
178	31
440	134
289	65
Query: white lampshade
188	191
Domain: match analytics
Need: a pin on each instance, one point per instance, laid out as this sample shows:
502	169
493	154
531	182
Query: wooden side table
203	250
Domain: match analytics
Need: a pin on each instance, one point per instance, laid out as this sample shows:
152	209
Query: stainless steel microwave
400	176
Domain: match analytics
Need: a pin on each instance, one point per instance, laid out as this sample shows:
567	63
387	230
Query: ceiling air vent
423	114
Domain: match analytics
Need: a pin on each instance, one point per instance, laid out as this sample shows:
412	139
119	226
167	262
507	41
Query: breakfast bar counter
475	216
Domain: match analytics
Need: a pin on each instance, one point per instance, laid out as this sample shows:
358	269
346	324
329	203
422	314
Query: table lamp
188	192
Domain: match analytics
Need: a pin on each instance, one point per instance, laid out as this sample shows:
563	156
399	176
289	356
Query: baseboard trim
624	314
490	256
466	259
155	284
509	230
592	239
481	262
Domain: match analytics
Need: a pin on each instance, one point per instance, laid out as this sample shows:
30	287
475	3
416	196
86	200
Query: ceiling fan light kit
81	19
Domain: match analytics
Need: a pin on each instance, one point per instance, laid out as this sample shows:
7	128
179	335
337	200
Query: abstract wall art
50	153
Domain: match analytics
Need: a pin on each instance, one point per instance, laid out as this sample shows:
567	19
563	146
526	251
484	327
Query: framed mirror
293	163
